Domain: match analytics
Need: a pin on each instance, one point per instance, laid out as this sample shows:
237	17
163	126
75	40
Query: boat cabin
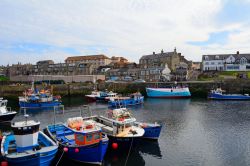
84	132
26	134
3	106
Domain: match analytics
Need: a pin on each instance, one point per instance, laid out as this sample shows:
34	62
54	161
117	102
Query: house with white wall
226	62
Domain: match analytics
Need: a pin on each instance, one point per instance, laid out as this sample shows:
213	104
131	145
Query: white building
226	62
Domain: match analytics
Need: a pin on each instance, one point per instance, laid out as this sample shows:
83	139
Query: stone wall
67	79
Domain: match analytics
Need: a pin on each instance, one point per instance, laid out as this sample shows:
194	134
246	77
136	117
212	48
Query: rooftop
87	57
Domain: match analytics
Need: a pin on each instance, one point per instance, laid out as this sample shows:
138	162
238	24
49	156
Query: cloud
51	29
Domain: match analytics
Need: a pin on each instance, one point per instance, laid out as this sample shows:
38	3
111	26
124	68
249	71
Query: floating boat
173	92
80	140
38	99
28	146
105	96
100	96
134	99
152	130
111	95
5	113
218	94
120	128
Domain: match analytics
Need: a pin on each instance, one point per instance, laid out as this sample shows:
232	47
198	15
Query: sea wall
198	89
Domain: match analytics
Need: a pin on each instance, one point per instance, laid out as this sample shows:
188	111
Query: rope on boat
60	158
129	152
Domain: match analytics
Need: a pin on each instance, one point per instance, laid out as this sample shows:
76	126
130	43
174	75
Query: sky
33	30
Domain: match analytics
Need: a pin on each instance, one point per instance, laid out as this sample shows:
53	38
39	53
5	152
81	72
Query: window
80	137
243	60
89	137
97	136
212	63
142	72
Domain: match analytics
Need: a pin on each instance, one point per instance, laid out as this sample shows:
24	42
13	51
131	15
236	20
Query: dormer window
217	57
206	57
243	60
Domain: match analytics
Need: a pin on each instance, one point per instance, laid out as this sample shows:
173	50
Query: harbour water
195	132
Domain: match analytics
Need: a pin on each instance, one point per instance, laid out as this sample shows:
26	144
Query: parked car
139	81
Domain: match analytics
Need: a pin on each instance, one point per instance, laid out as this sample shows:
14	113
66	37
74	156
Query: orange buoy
65	149
4	163
114	145
76	150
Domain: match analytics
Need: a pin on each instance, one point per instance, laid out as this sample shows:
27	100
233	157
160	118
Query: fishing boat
133	99
120	128
218	94
100	96
27	145
110	96
172	92
152	130
80	140
5	113
38	99
97	96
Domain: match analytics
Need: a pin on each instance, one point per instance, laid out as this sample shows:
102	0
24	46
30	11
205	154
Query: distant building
160	59
226	62
152	66
155	74
120	72
196	66
115	59
95	60
181	72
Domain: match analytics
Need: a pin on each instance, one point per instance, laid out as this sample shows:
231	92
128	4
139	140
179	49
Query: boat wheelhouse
6	114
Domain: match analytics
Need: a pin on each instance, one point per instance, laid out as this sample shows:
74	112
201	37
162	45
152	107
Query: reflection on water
195	132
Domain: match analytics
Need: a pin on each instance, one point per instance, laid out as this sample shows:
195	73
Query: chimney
153	53
237	52
161	51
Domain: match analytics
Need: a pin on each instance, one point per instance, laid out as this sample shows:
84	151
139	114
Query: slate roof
87	57
159	55
225	56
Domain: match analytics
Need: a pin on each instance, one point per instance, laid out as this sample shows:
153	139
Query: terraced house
95	60
226	62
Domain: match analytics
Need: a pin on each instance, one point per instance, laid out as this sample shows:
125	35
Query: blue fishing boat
172	92
27	145
38	99
6	114
152	130
218	94
120	129
134	99
80	140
